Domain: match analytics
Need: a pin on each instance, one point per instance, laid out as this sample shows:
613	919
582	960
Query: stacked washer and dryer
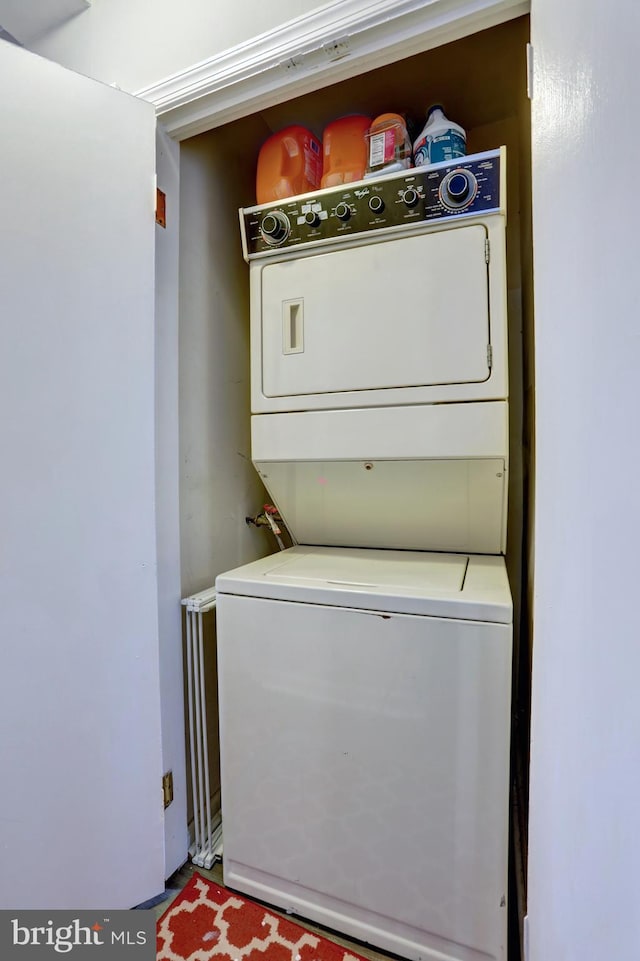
365	674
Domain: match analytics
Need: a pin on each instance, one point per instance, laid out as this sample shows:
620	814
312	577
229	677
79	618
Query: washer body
364	722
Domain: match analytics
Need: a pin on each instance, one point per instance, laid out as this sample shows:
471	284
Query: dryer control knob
376	204
311	218
275	228
411	197
343	211
458	189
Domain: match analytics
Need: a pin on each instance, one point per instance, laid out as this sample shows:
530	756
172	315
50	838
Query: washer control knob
376	204
458	189
343	211
311	218
411	197
275	228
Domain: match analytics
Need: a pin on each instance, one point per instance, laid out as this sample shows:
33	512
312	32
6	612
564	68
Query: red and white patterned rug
206	921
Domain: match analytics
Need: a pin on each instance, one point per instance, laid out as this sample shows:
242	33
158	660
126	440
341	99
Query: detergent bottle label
446	145
421	154
382	148
313	162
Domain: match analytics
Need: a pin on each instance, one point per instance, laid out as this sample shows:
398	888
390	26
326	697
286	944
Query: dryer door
408	312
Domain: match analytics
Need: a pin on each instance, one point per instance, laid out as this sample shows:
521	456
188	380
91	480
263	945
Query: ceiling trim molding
330	44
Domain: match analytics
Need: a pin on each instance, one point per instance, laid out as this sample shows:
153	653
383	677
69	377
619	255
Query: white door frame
333	43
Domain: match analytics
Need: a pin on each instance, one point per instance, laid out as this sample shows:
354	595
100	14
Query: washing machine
364	674
364	726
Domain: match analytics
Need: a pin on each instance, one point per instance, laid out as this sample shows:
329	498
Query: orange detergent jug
344	150
289	163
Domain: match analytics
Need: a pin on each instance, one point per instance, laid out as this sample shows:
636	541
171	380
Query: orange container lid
388	120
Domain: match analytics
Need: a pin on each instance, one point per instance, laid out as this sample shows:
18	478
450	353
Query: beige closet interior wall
219	487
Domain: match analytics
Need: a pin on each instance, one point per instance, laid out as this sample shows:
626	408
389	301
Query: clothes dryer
384	292
379	378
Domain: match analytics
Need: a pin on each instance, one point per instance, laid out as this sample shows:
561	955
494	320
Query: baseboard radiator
207	825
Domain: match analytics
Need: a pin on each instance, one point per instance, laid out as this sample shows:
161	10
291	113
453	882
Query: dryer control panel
466	187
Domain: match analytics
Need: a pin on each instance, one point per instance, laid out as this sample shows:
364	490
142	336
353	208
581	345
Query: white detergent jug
441	139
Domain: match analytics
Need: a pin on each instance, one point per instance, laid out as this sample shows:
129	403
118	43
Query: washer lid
470	587
375	569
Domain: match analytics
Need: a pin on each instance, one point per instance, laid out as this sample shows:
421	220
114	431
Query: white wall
134	43
584	883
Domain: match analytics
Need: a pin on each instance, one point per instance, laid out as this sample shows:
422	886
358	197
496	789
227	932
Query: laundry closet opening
481	81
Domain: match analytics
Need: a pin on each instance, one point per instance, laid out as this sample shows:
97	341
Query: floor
180	878
177	881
